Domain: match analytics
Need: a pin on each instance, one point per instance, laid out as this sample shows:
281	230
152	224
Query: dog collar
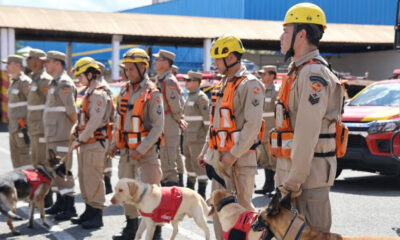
143	193
226	201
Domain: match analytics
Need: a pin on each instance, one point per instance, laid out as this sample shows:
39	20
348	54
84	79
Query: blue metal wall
379	12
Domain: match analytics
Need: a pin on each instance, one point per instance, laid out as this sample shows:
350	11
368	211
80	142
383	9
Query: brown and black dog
17	185
281	222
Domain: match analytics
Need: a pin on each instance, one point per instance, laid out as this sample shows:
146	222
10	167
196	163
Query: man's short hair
314	32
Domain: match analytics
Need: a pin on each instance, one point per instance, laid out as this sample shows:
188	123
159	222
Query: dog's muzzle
260	225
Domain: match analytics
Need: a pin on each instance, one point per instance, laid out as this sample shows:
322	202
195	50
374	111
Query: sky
86	5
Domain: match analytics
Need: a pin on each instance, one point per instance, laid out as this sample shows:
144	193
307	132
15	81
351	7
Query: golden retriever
147	197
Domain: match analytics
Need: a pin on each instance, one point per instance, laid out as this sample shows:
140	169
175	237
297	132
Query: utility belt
224	140
99	135
280	142
130	140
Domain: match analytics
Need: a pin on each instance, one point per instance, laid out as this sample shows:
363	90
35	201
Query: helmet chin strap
290	52
229	66
141	74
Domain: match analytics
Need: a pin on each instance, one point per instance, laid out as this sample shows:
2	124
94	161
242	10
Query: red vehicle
372	117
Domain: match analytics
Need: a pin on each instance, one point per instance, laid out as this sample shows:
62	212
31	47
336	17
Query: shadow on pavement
3	127
376	185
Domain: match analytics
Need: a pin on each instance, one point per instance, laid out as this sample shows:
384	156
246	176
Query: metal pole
206	54
116	40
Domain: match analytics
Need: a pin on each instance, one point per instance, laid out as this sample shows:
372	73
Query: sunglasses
191	80
159	59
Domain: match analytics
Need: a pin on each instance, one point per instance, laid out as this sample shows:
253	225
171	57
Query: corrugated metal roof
49	24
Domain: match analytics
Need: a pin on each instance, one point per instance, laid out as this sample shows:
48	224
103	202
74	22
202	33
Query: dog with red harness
160	205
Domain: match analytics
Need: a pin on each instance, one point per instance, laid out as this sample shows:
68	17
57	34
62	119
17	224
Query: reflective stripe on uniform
17	104
54	189
42	140
66	190
55	109
36	107
193	118
108	170
62	149
20	135
191	174
267	114
206	122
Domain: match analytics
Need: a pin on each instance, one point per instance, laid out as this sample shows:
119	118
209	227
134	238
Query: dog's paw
46	225
16	233
30	225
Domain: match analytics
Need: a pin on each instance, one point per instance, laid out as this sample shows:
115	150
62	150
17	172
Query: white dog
146	198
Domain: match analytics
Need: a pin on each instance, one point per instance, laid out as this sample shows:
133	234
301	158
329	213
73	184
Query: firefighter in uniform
36	103
138	126
17	112
235	123
265	160
91	138
311	101
179	160
107	159
197	115
173	110
59	117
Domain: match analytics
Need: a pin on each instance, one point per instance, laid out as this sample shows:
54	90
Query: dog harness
171	199
35	179
242	226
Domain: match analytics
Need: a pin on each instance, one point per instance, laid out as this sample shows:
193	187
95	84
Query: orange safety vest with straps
280	138
132	138
224	138
165	96
84	118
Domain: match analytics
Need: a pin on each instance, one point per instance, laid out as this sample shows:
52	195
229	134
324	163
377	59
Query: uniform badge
158	110
203	102
313	98
46	88
319	79
316	86
26	88
158	99
255	102
99	103
98	109
66	90
172	96
172	87
256	90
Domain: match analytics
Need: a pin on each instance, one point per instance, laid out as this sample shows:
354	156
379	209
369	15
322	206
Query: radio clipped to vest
227	136
132	137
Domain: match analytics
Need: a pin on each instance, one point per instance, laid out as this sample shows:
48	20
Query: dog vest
242	226
224	138
171	199
84	118
35	179
132	138
280	138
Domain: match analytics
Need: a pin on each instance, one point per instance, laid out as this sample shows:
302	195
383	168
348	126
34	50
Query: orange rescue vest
280	138
84	118
132	138
224	138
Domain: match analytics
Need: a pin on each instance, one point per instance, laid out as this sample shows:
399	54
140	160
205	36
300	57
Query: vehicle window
379	95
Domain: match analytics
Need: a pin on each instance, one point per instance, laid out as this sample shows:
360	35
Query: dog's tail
206	208
3	208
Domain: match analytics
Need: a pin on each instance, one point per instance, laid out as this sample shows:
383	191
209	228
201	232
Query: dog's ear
133	187
273	206
286	201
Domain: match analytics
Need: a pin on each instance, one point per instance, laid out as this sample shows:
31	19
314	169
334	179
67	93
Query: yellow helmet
83	64
136	55
305	13
224	45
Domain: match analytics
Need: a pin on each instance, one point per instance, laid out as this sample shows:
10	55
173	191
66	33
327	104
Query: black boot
190	184
107	184
57	207
84	216
157	233
202	189
69	210
129	231
48	199
95	221
269	183
180	181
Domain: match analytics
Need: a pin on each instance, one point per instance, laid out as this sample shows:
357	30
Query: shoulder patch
26	88
313	98
256	90
319	79
46	88
65	90
203	101
99	103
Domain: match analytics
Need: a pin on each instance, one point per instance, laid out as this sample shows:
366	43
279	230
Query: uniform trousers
19	150
91	174
38	150
168	157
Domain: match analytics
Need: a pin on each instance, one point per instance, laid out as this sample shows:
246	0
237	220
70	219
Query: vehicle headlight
382	126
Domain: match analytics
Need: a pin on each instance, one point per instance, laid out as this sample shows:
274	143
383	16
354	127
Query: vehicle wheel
338	172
